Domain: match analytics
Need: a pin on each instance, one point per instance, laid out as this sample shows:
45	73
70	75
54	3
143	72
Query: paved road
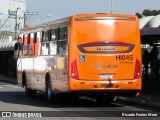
13	98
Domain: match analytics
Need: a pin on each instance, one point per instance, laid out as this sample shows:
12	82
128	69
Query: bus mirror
17	48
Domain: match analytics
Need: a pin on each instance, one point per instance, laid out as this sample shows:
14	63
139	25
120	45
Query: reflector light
137	70
74	70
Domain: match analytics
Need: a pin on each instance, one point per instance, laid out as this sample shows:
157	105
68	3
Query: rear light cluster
74	70
137	72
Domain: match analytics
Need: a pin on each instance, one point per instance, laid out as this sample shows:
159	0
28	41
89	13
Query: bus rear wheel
29	92
49	90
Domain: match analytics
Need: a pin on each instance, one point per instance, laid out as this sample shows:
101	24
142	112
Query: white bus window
53	42
45	48
45	36
63	33
45	42
53	48
62	47
54	34
62	42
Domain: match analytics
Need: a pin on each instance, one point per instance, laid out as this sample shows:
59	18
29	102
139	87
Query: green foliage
148	12
139	15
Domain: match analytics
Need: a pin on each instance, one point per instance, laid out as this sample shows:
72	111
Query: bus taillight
137	70
74	70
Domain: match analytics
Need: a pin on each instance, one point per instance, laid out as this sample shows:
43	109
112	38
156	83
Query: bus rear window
105	30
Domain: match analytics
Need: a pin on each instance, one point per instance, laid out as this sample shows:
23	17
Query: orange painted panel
104	48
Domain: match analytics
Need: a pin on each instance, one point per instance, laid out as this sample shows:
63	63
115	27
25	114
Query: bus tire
29	92
49	90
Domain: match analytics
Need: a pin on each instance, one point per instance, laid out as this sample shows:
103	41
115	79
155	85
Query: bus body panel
36	66
105	53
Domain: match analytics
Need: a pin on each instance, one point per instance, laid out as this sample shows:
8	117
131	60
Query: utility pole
26	14
16	23
111	6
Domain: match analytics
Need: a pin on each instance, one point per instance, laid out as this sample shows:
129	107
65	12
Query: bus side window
28	38
45	42
35	38
53	42
31	43
62	41
25	45
34	42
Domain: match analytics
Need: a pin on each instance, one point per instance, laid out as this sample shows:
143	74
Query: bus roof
48	24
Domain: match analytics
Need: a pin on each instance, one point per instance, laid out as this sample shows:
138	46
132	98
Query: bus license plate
106	76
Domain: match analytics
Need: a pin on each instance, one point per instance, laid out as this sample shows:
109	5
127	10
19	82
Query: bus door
27	60
34	52
62	59
31	51
36	47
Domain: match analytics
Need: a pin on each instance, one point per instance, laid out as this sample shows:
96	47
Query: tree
148	12
139	15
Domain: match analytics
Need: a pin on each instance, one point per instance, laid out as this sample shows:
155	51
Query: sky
56	9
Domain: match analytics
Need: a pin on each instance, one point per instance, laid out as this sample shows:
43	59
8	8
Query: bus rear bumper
125	93
118	87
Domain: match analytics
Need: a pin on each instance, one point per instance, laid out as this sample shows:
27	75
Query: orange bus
88	54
